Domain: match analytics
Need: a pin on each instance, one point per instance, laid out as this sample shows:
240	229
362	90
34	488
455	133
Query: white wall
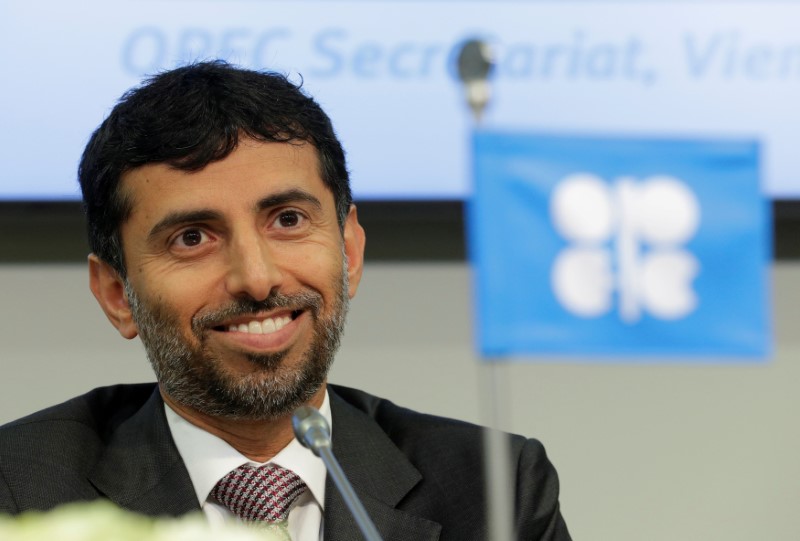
660	452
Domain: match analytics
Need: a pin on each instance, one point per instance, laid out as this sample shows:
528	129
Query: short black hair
189	117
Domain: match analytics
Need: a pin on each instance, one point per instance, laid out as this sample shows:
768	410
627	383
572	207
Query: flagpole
474	66
499	480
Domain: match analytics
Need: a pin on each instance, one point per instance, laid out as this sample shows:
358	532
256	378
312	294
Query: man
224	235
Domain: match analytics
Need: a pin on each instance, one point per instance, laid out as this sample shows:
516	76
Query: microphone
475	64
312	431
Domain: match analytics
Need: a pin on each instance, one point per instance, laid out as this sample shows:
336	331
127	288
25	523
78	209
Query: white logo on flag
626	237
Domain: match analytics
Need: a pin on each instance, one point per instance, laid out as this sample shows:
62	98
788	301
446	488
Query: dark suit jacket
420	477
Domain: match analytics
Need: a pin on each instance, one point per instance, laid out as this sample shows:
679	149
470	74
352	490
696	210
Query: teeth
279	322
267	326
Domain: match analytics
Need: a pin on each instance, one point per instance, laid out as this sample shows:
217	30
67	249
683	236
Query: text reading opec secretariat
576	55
332	52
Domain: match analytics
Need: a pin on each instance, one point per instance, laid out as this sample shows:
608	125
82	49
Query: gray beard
198	379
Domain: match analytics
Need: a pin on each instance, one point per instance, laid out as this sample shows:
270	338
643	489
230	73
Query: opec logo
620	247
627	247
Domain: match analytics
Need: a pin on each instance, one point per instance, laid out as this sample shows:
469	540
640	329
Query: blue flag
619	247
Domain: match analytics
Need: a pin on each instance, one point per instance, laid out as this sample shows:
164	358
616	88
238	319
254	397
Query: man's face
239	278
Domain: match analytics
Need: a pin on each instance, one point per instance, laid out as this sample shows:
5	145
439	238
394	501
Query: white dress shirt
209	458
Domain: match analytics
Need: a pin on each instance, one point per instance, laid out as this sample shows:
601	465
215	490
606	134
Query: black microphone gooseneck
311	430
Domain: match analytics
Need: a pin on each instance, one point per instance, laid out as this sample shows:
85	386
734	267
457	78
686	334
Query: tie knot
264	493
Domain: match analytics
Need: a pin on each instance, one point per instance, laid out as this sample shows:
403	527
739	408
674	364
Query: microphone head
475	65
475	61
311	429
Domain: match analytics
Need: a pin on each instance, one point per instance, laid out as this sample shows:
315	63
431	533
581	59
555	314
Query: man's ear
354	242
109	290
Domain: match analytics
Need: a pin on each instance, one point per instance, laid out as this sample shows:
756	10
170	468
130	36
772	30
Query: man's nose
253	269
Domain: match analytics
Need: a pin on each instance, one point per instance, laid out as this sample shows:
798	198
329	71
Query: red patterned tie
259	494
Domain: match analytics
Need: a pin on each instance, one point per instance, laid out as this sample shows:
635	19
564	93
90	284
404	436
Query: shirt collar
209	458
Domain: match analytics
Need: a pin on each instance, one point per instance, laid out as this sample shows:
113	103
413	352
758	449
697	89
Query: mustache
305	300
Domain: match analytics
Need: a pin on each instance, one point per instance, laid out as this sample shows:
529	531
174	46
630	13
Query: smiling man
224	236
237	280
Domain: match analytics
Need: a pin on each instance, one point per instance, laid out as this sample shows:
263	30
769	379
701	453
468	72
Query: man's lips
256	324
247	334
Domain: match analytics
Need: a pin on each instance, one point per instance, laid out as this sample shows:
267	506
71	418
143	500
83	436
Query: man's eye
190	237
289	218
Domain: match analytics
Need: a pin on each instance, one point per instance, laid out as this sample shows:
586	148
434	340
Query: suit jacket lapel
141	469
380	474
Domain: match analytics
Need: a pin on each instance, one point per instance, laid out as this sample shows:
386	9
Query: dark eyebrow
180	218
203	215
289	196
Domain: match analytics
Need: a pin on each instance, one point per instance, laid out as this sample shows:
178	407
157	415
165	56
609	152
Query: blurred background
661	450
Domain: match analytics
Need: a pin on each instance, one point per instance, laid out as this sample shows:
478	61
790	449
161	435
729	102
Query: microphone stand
311	430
